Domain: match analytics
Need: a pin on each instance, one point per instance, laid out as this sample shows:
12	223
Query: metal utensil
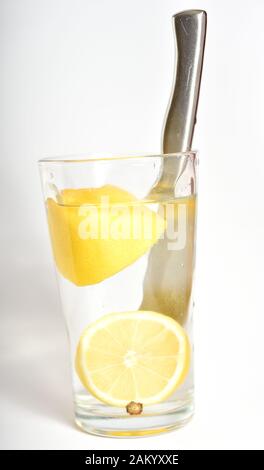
160	293
190	32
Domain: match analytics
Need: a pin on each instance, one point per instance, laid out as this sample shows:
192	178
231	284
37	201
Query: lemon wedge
137	356
92	242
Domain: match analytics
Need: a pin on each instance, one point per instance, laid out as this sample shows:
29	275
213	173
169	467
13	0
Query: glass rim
83	158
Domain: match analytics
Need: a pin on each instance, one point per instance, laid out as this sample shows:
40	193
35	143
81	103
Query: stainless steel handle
190	31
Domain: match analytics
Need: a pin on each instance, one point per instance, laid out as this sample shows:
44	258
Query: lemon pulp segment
83	252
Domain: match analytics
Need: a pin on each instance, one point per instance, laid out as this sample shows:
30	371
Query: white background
83	76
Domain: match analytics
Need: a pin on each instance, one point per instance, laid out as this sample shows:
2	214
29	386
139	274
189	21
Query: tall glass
124	248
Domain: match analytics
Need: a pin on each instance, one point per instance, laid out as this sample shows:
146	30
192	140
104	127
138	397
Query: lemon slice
91	242
133	356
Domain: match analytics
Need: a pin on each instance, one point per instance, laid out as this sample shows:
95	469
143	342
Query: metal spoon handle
190	31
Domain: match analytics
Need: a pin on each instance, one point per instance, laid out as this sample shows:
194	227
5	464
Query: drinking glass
124	250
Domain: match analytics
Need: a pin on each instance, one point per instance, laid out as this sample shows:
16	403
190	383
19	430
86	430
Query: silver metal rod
190	32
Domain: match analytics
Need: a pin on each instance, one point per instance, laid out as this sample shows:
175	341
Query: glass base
104	421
